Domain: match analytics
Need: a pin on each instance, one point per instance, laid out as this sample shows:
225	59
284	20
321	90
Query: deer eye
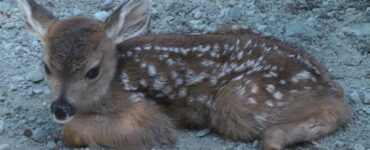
92	73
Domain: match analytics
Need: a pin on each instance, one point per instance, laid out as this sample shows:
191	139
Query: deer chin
62	121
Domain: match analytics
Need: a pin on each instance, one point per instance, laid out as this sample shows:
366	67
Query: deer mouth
62	121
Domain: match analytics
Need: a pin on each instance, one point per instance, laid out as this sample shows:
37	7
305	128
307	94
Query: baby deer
84	74
236	82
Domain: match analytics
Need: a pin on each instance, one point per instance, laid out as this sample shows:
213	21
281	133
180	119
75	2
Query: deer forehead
70	43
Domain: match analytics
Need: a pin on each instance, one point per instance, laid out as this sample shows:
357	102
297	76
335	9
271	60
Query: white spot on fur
136	97
303	75
278	95
251	100
152	70
270	88
183	92
269	103
254	89
259	118
283	82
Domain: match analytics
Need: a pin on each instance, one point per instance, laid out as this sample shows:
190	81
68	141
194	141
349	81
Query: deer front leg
84	130
141	127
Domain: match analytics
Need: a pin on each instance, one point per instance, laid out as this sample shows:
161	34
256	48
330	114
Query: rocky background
336	32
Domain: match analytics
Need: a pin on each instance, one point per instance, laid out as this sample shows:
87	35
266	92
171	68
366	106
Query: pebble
300	29
37	75
2	123
355	97
51	145
360	29
17	78
39	135
255	143
37	90
241	146
101	15
339	144
4	7
197	14
357	147
366	110
9	25
203	133
235	13
367	98
5	147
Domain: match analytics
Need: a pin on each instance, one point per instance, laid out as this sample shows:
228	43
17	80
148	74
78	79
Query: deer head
79	53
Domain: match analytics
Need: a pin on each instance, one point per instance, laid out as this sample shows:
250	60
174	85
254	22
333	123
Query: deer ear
129	20
38	19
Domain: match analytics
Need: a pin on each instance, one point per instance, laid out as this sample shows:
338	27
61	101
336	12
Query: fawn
83	71
235	81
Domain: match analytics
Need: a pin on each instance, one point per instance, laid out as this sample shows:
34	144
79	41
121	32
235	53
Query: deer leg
317	125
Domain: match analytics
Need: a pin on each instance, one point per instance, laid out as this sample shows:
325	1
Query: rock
9	25
39	135
5	147
367	98
101	15
4	7
361	29
339	144
366	110
300	29
37	75
2	124
197	14
355	97
17	78
51	145
37	90
235	13
241	146
255	143
203	133
27	133
357	147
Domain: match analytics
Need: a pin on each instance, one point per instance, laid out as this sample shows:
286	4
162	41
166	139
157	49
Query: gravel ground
336	32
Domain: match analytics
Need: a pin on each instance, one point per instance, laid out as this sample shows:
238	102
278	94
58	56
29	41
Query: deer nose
63	110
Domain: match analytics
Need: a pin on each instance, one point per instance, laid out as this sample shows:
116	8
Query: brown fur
281	95
106	115
320	109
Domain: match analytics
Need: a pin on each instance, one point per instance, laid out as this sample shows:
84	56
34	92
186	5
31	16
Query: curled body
238	83
114	88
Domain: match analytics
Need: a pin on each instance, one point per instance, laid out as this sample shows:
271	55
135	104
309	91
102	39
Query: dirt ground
336	32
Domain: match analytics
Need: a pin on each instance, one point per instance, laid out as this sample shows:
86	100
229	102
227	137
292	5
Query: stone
255	143
357	147
235	13
51	145
5	147
202	133
39	135
360	29
101	15
4	7
241	146
366	110
300	29
17	78
367	98
355	97
37	90
2	124
37	75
